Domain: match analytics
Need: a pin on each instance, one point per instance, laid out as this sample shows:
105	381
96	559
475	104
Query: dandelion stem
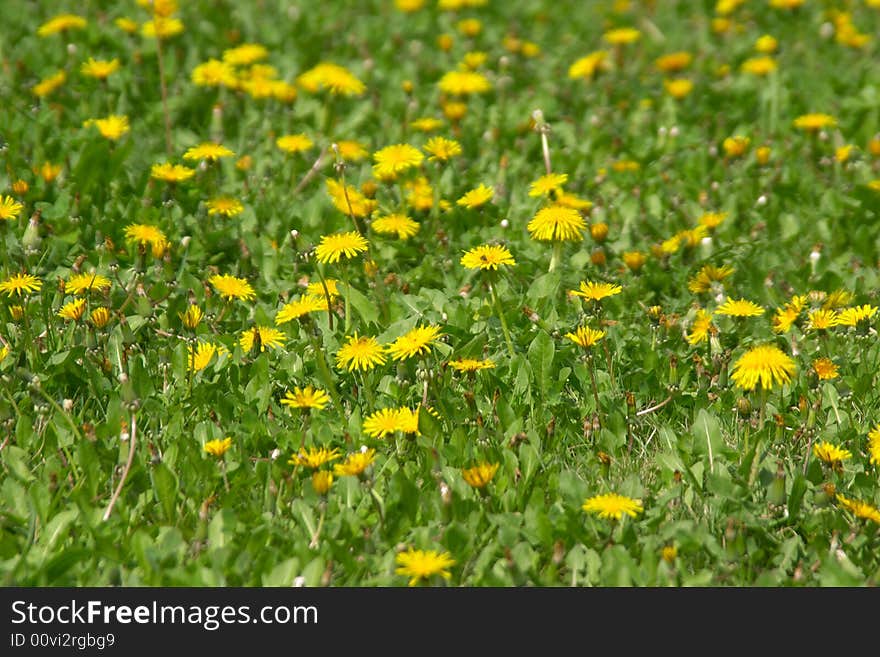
500	311
313	543
556	256
595	387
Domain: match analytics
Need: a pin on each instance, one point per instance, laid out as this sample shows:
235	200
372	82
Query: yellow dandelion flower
73	311
415	342
338	80
317	289
585	336
712	220
588	66
613	506
673	62
476	197
383	422
245	54
217	447
859	509
634	260
362	353
548	185
85	283
322	480
333	247
814	122
853	316
395	224
736	145
355	464
678	88
393	160
20	284
480	475
830	453
265	336
294	143
111	127
349	200
464	83
315	457
739	308
100	317
306	398
572	201
596	291
557	223
200	356
441	149
351	151
426	124
61	23
487	256
172	173
9	208
127	25
49	84
701	328
837	299
820	320
423	564
48	171
214	73
825	369
224	205
759	66
622	36
191	317
99	69
162	27
471	365
207	151
766	365
232	287
874	445
301	307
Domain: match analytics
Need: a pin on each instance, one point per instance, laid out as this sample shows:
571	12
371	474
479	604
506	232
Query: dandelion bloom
874	445
784	319
322	480
191	317
476	197
214	73
701	328
361	353
336	79
612	506
736	145
480	475
588	66
471	364
383	422
317	288
355	463
349	200
111	127
395	224
266	335
307	398
426	124
162	27
415	342
100	317
759	66
332	247
673	62
712	220
678	87
548	184
48	171
825	369
200	356
315	457
245	54
859	509
442	149
487	256
853	316
99	69
622	36
224	205
218	447
301	307
232	287
351	151
634	260
557	223
814	122
207	151
585	336
830	453
49	84
172	173
596	291
61	23
572	201
820	320
464	83
83	283
766	365
20	284
739	308
423	564
73	310
126	24
9	208
294	143
394	160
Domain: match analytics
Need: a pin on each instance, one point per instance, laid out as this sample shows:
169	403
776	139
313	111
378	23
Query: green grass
725	476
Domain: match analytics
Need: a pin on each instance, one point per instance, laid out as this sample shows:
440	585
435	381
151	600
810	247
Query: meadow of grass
440	292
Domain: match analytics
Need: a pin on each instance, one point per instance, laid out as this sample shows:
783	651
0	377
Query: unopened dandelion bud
630	403
743	406
100	317
599	231
369	188
20	187
598	258
17	312
407	86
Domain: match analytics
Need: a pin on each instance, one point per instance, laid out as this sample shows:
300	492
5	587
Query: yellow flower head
736	145
759	66
480	475
814	122
351	151
476	197
315	457
232	287
245	54
585	336
85	283
859	509
191	317
301	307
355	464
678	87
214	73
99	69
612	506
264	336
306	398
9	208
596	291
172	173
739	308
200	356
100	317
393	160
415	342
673	62
224	205
548	185
111	127
701	328
333	247
556	223
441	149
207	151
218	447
349	200
47	85
874	445
471	364
830	453
464	83
622	36
337	80
820	320
853	316
825	369
61	23
588	66
395	224
487	256
73	311
634	260
361	353
294	143
321	481
20	284
766	365
423	564
162	27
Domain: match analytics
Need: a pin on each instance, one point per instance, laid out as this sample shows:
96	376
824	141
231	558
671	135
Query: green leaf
365	308
541	353
165	489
